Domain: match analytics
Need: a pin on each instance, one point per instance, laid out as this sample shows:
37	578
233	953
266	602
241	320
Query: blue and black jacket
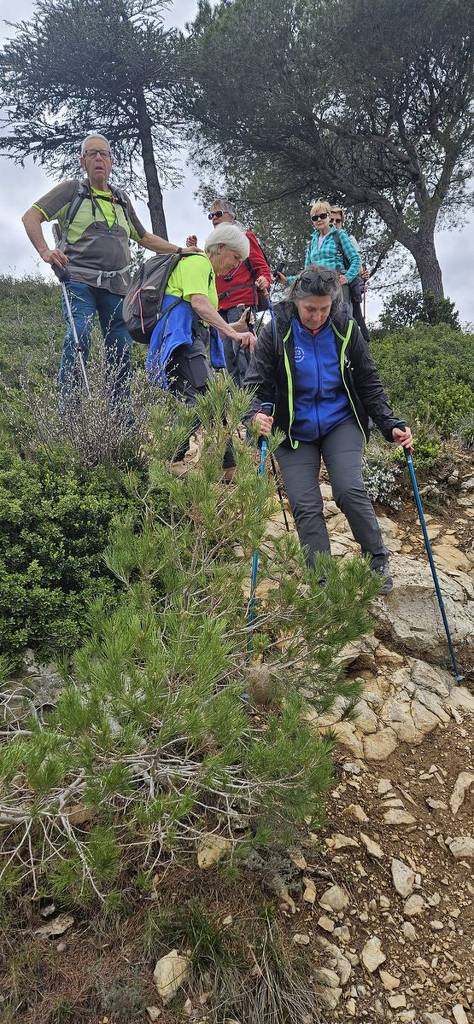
272	374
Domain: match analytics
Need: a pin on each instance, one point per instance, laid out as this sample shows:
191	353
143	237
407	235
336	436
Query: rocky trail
393	934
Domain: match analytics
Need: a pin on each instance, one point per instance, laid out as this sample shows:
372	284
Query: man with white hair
242	287
97	221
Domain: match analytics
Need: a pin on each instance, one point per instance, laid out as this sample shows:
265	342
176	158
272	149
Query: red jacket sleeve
257	259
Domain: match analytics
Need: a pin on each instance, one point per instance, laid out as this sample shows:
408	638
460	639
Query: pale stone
309	894
423	719
298	859
397	1002
462	699
411	614
366	721
436	805
372	847
347	736
462	847
432	702
56	926
339	842
435	1018
449	557
372	955
409	931
459	1014
334	898
394	816
389	981
301	939
170	973
397	714
356	812
328	996
403	877
462	785
414	905
384	786
211	849
351	1007
326	923
325	976
380	745
153	1013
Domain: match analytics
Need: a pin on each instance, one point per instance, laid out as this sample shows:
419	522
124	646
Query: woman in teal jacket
323	250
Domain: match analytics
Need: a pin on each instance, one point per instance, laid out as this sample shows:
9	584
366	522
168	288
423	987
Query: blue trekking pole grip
267	409
429	551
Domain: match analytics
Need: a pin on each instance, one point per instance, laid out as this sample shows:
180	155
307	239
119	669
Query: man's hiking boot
382	569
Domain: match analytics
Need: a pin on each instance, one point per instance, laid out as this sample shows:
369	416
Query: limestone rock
326	923
309	894
153	1013
356	812
372	955
339	842
301	939
459	1014
462	785
414	905
171	972
334	899
372	847
411	613
347	736
449	557
325	976
328	996
397	1002
389	981
211	850
395	816
384	787
435	1018
56	926
380	745
409	931
403	877
462	847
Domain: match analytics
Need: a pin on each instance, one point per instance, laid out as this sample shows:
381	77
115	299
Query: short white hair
232	237
93	135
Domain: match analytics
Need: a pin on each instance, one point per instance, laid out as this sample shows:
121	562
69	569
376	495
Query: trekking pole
267	407
421	515
62	275
280	495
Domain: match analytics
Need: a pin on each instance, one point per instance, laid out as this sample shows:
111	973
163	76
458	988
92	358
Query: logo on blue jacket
299	354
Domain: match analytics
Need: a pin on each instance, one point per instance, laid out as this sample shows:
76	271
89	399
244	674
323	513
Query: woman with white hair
184	343
178	353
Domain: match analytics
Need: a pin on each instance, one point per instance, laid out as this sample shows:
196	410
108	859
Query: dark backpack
356	286
144	295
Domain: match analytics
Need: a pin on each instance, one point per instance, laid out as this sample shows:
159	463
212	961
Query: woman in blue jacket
314	367
324	251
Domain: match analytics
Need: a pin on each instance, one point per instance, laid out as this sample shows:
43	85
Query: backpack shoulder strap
82	191
345	259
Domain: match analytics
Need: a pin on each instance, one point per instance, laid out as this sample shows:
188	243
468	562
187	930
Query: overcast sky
21	186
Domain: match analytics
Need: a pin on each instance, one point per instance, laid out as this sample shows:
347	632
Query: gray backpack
144	296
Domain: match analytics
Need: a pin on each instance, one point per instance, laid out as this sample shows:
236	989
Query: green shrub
428	372
151	736
55	522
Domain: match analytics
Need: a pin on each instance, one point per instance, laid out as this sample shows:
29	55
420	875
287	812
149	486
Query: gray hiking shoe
382	569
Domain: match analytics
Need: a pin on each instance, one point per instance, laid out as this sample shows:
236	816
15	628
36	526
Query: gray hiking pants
341	450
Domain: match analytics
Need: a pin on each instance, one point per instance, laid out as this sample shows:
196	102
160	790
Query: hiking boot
382	569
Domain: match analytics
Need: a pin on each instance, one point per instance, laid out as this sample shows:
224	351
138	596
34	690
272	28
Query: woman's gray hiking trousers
341	451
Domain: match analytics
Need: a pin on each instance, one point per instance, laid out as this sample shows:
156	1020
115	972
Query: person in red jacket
239	289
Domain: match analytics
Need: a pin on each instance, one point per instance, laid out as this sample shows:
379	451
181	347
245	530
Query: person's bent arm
157	244
32	220
206	312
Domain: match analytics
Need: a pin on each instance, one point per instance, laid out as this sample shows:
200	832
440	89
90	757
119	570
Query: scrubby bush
151	739
408	307
54	526
429	375
382	477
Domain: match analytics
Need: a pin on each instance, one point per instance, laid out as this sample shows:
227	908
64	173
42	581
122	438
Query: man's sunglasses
337	220
215	213
318	216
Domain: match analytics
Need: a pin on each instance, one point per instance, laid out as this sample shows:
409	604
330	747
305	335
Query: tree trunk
155	195
428	268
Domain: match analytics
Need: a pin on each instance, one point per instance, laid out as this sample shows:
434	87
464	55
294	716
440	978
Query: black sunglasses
337	220
217	213
307	283
318	216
